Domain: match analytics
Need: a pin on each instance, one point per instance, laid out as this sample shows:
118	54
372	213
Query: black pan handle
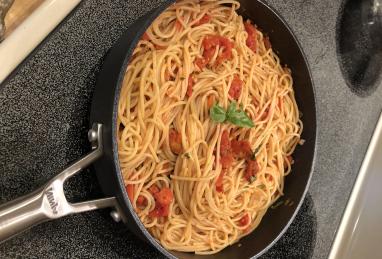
49	201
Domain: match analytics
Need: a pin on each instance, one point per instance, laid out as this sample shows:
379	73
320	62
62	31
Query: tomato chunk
241	149
290	160
227	51
153	189
267	43
244	221
280	103
205	19
178	25
141	201
130	191
164	197
226	157
159	211
207	56
210	43
251	38
159	46
235	89
265	114
175	139
251	170
190	86
145	36
219	182
210	101
200	62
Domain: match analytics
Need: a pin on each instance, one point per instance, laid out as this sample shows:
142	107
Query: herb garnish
233	115
277	204
254	154
217	113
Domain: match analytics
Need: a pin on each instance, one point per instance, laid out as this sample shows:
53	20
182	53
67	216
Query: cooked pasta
207	124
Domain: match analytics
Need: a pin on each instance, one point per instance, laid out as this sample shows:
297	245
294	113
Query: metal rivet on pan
115	215
92	135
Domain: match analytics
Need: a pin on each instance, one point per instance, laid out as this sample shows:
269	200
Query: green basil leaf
254	154
217	113
231	108
252	178
240	118
279	203
234	116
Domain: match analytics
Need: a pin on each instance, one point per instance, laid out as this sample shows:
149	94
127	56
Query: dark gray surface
43	125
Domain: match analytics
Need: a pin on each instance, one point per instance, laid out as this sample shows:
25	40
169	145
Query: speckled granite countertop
44	121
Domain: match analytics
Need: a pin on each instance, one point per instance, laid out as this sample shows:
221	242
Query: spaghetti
207	126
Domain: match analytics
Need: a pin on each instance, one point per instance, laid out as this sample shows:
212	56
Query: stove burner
359	44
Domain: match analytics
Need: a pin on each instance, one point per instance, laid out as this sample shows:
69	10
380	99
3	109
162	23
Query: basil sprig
233	115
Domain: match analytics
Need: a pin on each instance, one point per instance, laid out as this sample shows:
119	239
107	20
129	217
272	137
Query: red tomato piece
265	114
163	211
244	221
153	189
190	85
290	159
167	75
210	101
130	191
219	182
249	28
226	161
235	89
208	54
226	157
164	197
145	36
211	41
267	43
159	211
200	62
252	36
241	149
209	44
280	103
205	19
225	143
251	170
159	46
154	213
227	51
178	25
175	139
141	201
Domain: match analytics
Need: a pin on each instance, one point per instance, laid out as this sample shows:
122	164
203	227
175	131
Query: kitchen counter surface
44	121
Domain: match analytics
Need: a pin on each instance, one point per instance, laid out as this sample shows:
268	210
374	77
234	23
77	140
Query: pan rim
118	170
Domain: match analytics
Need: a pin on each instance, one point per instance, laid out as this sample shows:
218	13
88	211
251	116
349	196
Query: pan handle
49	201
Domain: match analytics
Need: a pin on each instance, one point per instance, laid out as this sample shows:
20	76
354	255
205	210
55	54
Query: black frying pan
49	201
